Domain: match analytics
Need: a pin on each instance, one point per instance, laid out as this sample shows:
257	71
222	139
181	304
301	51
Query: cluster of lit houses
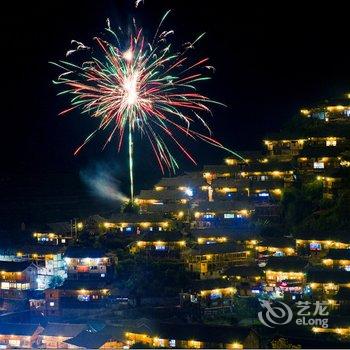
204	220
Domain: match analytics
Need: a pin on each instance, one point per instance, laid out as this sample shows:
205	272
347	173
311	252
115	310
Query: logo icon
274	313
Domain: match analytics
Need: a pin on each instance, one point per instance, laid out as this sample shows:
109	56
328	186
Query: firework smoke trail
145	87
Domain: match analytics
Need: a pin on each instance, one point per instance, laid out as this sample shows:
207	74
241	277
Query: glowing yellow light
180	214
327	262
335	108
305	111
80	225
197	214
277	191
159	188
230	161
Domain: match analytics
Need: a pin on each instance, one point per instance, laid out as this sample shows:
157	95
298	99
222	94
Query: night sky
270	61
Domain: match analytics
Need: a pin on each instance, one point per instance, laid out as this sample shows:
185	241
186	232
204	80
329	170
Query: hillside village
189	264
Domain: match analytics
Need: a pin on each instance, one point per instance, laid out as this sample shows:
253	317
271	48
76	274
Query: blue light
264	194
189	192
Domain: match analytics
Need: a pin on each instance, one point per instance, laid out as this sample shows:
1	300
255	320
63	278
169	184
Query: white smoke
102	183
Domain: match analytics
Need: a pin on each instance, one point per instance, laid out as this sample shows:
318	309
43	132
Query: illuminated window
330	143
52	303
15	343
318	165
5	285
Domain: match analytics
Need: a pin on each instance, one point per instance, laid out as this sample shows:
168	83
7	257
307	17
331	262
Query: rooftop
23	329
84	252
200	332
162	195
217	248
210	284
224	206
94	340
14	266
338	254
68	330
136	218
165	236
328	276
341	236
89	284
286	264
319	152
237	233
243	271
278	242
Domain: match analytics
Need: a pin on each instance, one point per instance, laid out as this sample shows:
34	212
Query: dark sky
270	60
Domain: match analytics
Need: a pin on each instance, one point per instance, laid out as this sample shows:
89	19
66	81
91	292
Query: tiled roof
88	284
166	236
286	263
278	242
94	340
244	271
199	332
224	206
14	266
136	218
68	330
217	248
338	254
210	284
22	329
328	276
84	252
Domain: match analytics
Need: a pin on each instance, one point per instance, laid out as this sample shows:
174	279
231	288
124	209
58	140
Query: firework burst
144	87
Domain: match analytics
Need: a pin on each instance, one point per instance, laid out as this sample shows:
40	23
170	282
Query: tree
282	343
55	281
